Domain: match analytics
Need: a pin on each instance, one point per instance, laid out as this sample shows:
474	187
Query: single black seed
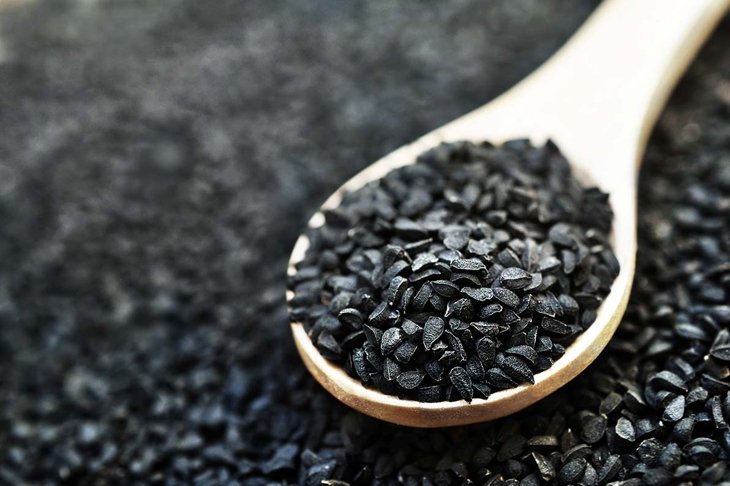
507	297
593	429
649	450
328	346
548	263
458	326
515	278
475	368
517	369
555	326
424	276
410	379
405	351
422	297
462	382
572	471
481	294
435	370
525	352
486	350
423	260
610	469
456	345
577	451
721	352
391	369
561	234
674	409
461	308
373	335
445	288
462	278
544	466
684	429
380	314
666	380
468	265
410	328
481	390
391	339
499	379
409	229
490	310
395	269
671	457
351	317
432	331
625	429
610	403
717	414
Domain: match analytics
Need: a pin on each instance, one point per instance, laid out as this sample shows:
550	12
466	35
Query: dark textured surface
156	164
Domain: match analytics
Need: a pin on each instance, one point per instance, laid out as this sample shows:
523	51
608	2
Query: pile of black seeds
466	272
157	155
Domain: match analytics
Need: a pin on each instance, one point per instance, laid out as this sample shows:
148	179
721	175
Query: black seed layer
484	282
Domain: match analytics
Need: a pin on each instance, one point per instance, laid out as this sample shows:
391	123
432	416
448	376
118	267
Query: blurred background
157	162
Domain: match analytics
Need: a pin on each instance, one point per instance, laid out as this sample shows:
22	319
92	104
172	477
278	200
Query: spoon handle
601	94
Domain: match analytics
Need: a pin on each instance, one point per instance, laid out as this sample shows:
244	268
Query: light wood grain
598	99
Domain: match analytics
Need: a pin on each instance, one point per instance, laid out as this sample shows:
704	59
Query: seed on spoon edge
466	272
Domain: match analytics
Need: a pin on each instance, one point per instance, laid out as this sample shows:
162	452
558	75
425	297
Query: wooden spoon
598	99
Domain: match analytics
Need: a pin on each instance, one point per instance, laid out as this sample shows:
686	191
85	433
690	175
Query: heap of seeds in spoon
465	273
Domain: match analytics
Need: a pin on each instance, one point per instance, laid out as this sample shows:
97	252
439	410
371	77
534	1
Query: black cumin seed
572	471
410	379
395	290
544	466
625	429
555	326
515	278
481	294
593	429
462	382
422	297
432	331
498	379
468	265
445	288
674	409
423	260
392	337
525	352
405	351
410	327
391	369
462	308
507	297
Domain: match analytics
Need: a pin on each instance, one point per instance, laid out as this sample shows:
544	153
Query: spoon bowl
597	99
